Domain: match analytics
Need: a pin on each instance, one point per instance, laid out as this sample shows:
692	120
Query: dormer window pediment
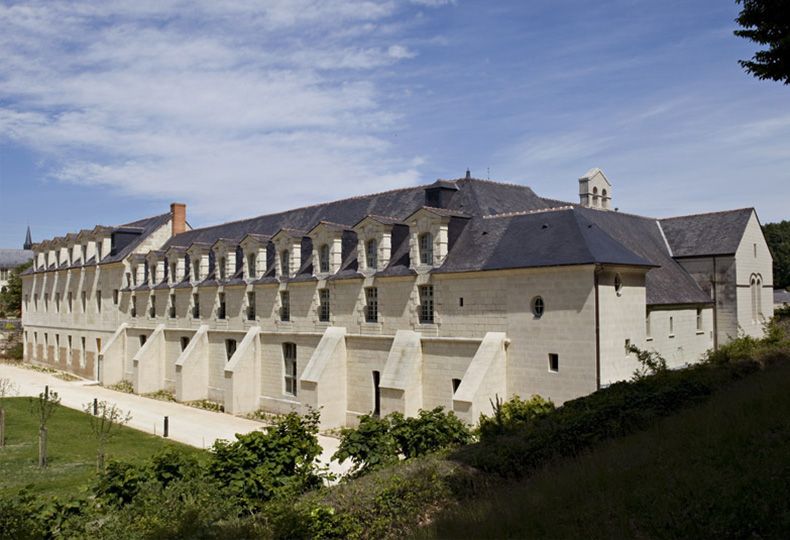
288	252
327	238
255	260
374	243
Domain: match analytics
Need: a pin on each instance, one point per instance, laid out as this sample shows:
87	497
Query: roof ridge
358	197
709	213
527	212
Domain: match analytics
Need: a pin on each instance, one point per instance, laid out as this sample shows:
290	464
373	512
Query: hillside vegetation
695	452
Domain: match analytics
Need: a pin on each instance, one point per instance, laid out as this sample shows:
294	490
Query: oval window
538	306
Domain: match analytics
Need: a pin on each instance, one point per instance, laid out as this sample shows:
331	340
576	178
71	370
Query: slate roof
717	233
492	226
781	296
12	258
668	283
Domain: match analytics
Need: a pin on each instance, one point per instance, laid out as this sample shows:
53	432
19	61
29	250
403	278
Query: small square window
554	362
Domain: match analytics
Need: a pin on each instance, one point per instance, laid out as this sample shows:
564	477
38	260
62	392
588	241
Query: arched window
426	248
595	196
757	304
371	253
323	258
753	290
285	263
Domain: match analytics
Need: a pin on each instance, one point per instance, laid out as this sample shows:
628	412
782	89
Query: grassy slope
71	451
719	470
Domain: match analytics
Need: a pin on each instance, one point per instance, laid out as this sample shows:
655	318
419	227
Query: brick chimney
178	213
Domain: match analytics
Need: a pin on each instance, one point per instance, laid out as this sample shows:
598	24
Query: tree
7	387
11	295
42	408
767	22
105	423
777	235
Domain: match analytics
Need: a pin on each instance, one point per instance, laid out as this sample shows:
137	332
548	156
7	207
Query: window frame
425	245
290	369
371	304
427	313
372	255
324	311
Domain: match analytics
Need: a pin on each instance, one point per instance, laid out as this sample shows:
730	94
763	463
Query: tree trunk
42	448
2	428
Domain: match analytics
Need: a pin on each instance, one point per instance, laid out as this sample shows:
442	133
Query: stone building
10	259
447	294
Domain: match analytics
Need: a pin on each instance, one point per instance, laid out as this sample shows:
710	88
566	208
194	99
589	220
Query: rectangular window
195	306
323	305
143	339
70	351
84	301
98	301
289	356
133	307
172	306
184	343
252	272
648	334
376	394
426	304
221	310
115	297
57	347
152	309
671	326
372	305
250	306
554	362
285	309
230	348
699	320
83	350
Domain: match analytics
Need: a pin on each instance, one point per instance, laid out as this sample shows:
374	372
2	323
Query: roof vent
440	193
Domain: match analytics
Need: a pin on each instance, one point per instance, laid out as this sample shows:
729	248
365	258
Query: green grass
71	450
719	470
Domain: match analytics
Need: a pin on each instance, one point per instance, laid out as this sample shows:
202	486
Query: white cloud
235	107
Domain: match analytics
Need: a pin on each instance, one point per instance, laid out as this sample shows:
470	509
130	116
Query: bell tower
595	191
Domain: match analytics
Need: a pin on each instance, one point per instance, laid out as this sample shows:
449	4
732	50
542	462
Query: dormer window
285	263
196	270
153	274
426	249
173	272
84	254
323	258
372	254
98	251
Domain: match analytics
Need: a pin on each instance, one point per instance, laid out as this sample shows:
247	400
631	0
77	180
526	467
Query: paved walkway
195	427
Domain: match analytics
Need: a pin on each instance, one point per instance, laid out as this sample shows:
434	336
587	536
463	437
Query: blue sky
110	111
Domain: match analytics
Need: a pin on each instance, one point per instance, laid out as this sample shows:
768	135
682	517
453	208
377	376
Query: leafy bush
513	415
379	442
428	432
16	352
279	461
369	447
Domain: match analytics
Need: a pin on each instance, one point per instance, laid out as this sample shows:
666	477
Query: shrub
369	447
279	461
380	442
513	415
